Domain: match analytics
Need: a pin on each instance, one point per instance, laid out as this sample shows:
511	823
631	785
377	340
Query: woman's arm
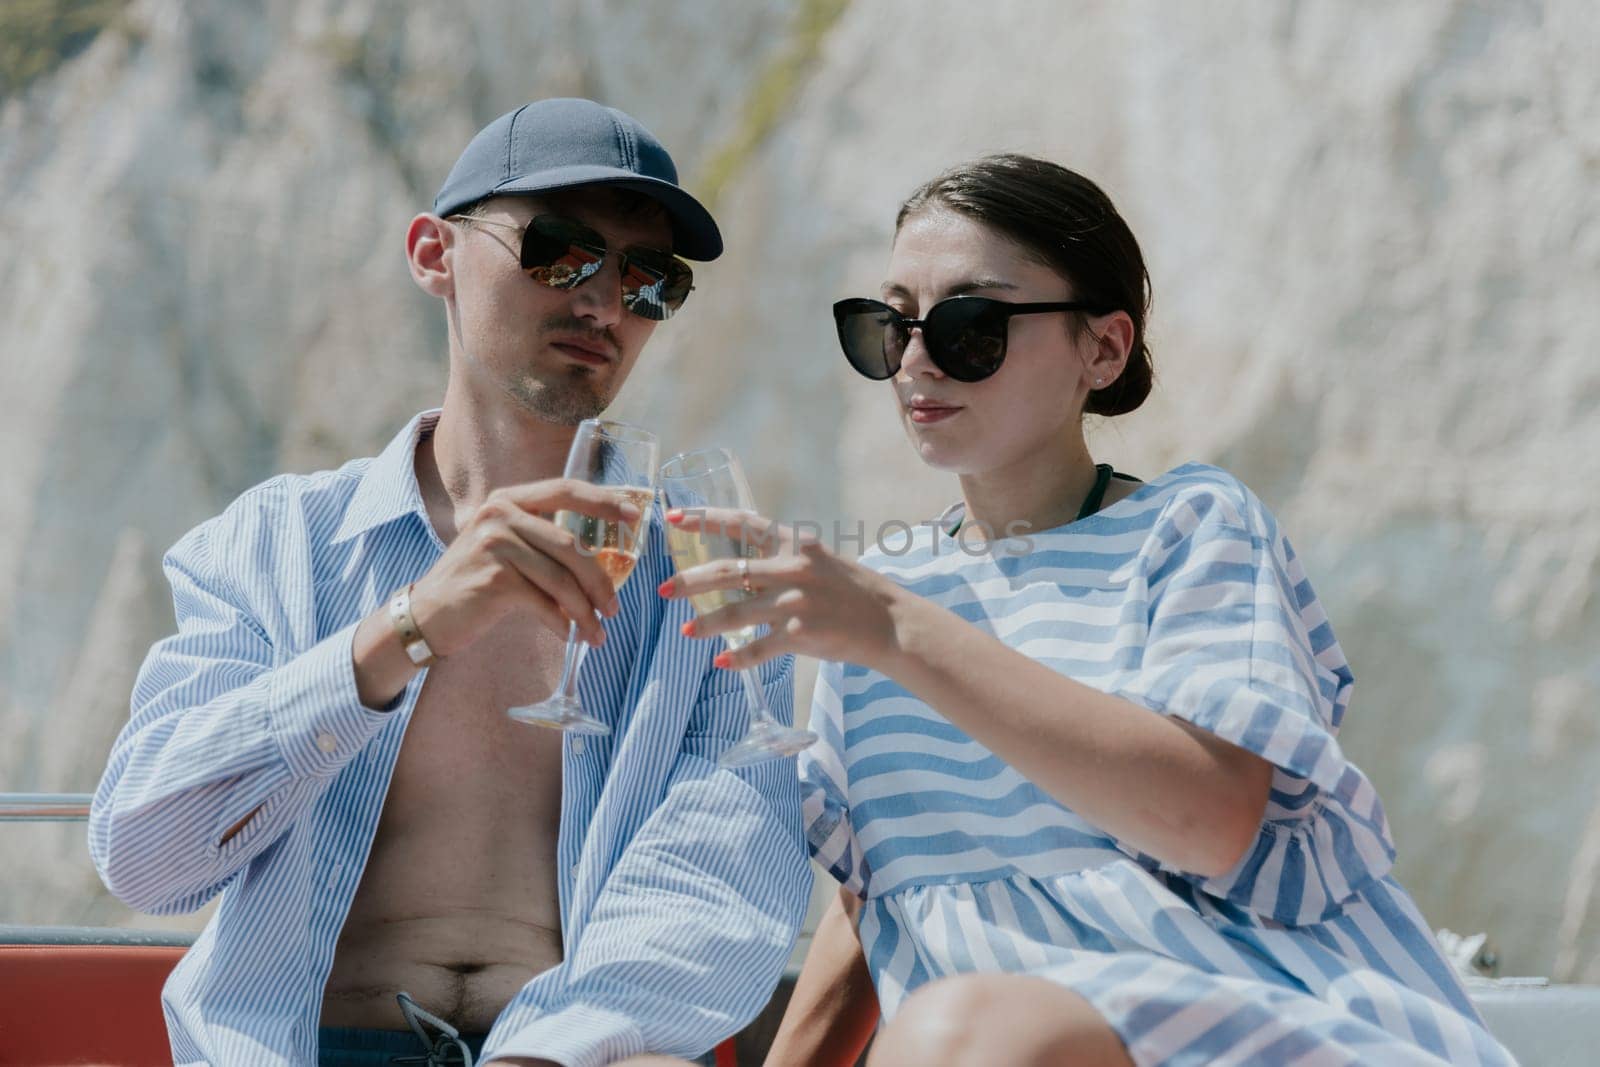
1176	792
834	1009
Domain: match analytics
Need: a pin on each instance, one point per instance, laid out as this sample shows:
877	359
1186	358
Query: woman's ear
429	243
1111	336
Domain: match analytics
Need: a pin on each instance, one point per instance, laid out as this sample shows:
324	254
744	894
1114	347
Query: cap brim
694	231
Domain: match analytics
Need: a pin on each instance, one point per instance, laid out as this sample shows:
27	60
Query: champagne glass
623	457
712	478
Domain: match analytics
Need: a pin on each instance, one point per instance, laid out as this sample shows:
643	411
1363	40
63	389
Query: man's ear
430	242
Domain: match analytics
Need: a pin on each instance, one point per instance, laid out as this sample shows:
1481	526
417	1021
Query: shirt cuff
317	714
579	1036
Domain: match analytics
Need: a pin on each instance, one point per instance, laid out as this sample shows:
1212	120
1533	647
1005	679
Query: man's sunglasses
965	335
563	254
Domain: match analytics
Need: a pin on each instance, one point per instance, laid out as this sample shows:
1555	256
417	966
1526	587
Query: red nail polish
665	588
723	660
674	515
688	628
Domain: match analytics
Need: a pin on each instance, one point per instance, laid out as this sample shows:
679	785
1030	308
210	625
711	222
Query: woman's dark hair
1064	221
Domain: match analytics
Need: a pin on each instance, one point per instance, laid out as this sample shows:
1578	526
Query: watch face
419	652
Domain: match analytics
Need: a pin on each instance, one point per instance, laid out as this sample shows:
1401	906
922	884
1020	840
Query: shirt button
327	742
577	746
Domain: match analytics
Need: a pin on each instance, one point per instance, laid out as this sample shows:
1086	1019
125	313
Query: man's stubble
565	398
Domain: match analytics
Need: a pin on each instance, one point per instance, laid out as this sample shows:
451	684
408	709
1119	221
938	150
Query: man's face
562	355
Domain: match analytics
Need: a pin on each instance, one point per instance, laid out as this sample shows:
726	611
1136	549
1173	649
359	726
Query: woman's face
1035	400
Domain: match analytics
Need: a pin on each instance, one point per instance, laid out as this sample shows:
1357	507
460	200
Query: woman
1078	774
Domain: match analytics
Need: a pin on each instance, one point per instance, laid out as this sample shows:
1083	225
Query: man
376	828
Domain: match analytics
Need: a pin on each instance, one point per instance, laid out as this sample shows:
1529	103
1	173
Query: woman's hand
815	603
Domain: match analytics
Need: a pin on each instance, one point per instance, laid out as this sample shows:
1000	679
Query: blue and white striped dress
1184	598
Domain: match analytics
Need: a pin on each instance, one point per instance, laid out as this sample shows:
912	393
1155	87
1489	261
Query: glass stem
760	711
568	688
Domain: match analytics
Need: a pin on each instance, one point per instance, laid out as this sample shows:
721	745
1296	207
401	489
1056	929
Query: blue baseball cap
564	143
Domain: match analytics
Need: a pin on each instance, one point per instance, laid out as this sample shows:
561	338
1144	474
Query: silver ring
744	578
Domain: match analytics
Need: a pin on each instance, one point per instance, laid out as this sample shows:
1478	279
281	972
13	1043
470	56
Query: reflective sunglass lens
573	268
652	291
646	302
676	286
563	254
560	253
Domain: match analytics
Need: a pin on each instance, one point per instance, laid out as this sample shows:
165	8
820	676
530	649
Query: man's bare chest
461	747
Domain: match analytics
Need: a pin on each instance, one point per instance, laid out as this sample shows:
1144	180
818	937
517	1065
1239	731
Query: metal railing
70	807
44	807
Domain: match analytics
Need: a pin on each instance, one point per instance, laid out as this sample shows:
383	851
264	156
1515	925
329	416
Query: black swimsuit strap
1097	495
1091	503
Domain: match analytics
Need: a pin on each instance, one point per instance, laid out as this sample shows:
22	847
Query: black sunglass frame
993	317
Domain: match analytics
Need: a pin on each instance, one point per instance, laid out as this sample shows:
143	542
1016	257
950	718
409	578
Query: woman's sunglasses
965	335
563	254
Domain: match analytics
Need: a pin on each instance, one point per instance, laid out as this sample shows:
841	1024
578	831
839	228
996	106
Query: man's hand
510	554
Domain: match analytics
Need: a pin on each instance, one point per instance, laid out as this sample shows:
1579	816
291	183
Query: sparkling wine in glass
712	478
623	458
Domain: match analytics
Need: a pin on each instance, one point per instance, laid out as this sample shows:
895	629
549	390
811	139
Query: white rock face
1374	238
205	217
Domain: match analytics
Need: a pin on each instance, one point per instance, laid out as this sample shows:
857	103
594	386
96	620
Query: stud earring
1097	382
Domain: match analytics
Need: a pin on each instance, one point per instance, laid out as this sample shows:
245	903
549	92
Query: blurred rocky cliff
1373	231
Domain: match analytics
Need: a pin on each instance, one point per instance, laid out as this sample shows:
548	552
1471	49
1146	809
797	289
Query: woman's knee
986	1019
937	1025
